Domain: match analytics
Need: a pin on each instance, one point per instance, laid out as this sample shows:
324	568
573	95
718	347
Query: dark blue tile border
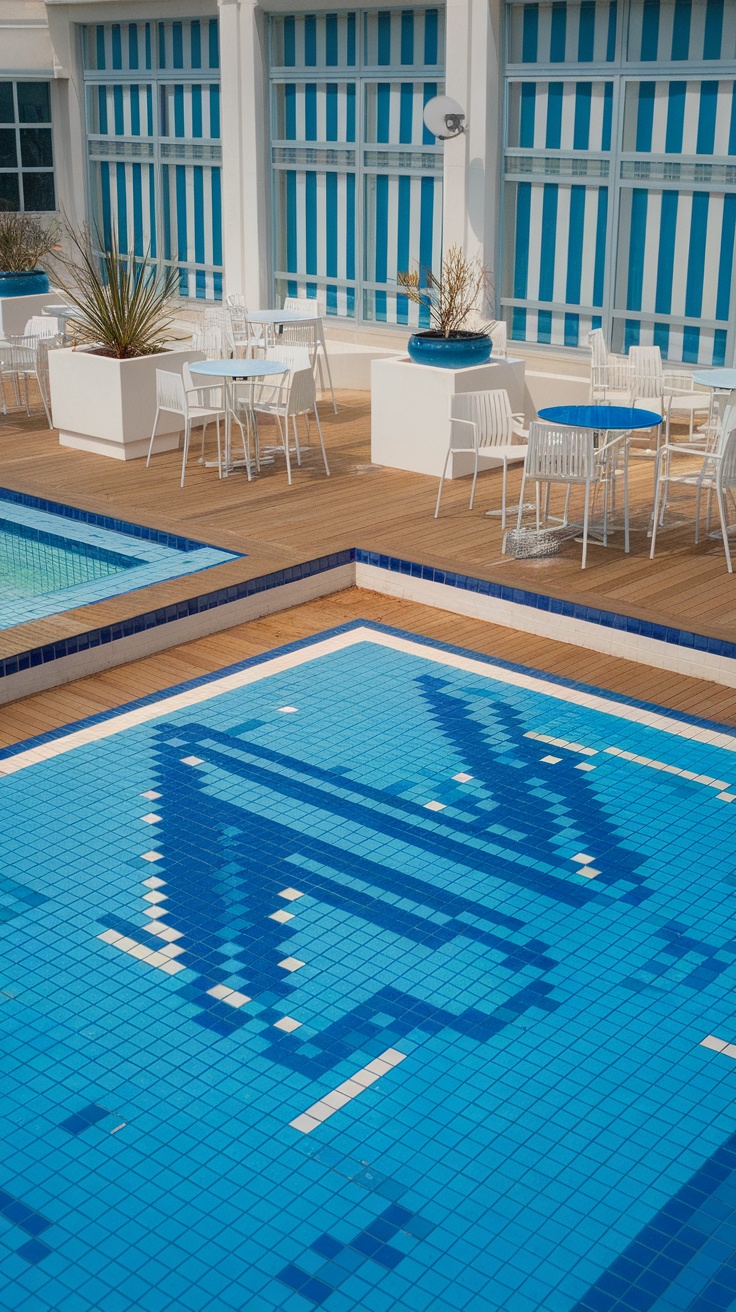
554	605
159	536
237	592
420	639
180	610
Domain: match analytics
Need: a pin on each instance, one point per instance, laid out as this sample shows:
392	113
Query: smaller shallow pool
55	557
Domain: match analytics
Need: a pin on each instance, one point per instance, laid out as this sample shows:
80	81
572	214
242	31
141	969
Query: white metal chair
238	313
483	422
610	376
296	396
316	306
174	397
28	359
498	333
43	325
701	472
568	456
667	391
210	342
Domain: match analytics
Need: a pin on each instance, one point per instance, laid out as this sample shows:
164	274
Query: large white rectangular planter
410	411
108	406
15	311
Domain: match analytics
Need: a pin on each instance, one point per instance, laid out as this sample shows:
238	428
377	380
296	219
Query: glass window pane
8	157
7	113
9	192
34	102
35	148
38	191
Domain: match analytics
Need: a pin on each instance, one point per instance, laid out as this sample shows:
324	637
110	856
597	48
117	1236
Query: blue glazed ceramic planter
458	352
33	283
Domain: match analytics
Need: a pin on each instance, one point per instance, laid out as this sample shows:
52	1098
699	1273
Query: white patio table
232	372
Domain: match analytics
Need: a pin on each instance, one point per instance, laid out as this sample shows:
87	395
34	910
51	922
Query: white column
472	176
70	140
245	174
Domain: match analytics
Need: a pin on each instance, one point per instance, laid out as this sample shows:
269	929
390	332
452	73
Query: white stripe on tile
160	959
345	1092
719	1045
562	742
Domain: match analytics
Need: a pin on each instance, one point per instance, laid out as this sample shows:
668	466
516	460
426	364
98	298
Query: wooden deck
100	692
379	509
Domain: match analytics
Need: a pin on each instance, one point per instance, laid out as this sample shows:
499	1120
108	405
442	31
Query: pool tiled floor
370	975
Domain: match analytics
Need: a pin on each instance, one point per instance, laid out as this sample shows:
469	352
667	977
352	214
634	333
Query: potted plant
451	301
25	241
103	388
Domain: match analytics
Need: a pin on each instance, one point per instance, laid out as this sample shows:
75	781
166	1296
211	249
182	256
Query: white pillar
472	171
245	173
70	133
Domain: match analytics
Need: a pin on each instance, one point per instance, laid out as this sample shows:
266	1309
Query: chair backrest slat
315	305
564	455
726	473
302	392
170	393
598	348
490	411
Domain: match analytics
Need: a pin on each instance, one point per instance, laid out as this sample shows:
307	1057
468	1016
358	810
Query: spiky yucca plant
25	241
460	290
124	302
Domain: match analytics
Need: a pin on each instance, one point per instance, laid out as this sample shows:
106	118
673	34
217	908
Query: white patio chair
210	342
28	359
296	396
568	456
666	391
498	333
700	472
194	405
316	306
483	422
218	319
43	325
610	375
237	311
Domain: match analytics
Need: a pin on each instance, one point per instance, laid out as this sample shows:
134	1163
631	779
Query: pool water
33	563
54	558
370	975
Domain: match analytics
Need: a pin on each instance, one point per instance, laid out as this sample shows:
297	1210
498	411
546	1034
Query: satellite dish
444	117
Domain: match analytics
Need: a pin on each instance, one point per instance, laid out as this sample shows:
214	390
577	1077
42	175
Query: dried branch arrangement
25	241
461	290
124	302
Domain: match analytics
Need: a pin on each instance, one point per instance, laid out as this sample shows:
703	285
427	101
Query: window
620	174
153	144
357	177
26	151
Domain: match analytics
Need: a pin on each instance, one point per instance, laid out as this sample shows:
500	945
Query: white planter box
15	311
108	406
410	411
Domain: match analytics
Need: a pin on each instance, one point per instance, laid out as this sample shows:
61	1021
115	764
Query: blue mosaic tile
532	1120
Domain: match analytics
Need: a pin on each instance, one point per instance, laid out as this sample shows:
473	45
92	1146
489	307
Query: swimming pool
55	557
370	974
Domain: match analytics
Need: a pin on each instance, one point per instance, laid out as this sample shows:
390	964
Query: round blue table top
600	416
237	368
725	378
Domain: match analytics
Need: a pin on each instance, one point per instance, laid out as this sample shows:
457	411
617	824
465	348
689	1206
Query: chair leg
475	480
503	494
296	440
442	484
567	504
153	434
42	390
626	498
655	516
521	499
586	517
329	375
724	528
185	452
321	440
538	502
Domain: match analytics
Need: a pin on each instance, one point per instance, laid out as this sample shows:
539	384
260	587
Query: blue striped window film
357	191
662	271
154	144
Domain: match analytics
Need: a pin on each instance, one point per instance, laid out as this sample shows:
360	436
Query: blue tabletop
237	368
725	378
600	416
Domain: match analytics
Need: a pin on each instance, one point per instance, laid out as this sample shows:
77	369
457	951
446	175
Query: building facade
274	149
